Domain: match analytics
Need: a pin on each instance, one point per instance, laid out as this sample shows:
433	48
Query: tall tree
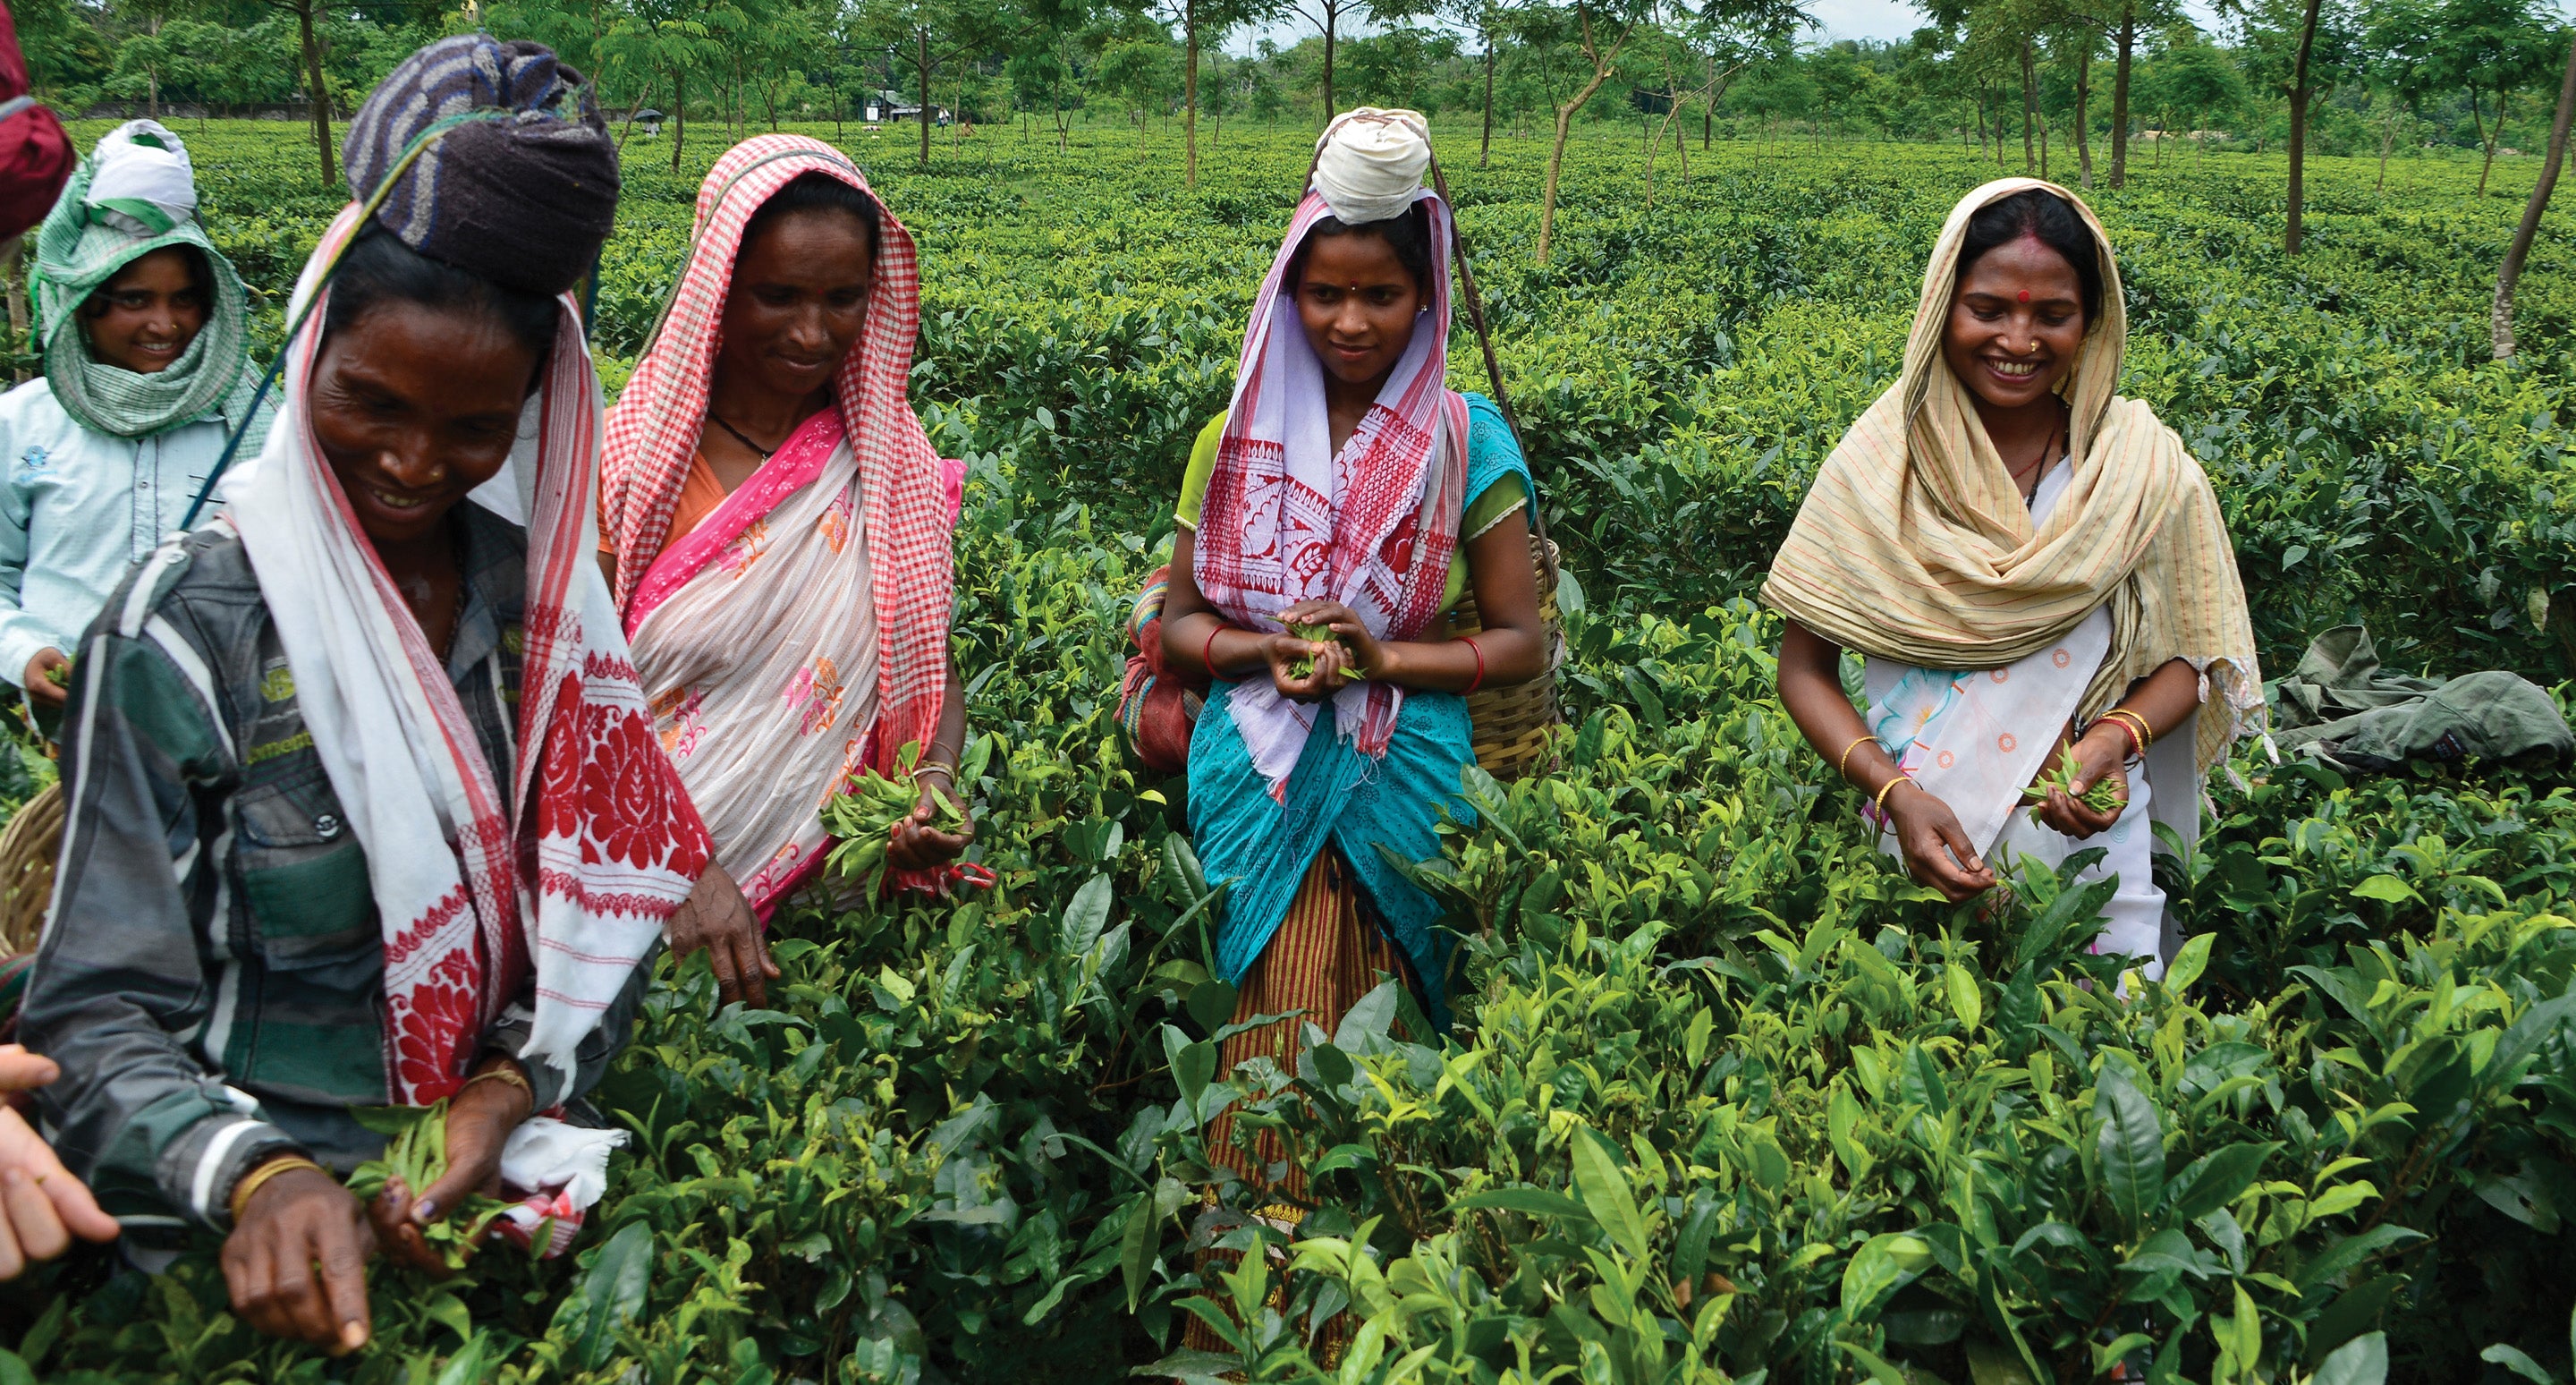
1203	22
930	34
2491	48
1598	31
1328	16
2510	273
2133	18
2288	44
317	90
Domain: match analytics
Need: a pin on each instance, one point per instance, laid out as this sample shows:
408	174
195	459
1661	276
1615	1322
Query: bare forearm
1811	688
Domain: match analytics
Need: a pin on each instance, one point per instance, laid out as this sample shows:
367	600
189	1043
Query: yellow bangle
2146	733
1879	804
1842	765
503	1072
250	1182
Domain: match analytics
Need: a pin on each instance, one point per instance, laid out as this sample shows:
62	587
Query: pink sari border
795	465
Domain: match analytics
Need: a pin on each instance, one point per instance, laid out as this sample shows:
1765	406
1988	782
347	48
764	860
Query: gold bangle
1842	765
1879	804
2146	733
251	1182
502	1072
934	766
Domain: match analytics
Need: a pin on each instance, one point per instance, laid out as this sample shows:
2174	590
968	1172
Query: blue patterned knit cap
524	200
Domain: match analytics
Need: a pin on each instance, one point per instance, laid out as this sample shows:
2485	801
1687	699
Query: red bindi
2025	295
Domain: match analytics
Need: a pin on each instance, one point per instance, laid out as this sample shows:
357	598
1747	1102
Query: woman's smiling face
143	319
2016	323
1357	303
414	406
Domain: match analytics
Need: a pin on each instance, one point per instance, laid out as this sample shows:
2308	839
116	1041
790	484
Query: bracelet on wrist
252	1181
1879	803
1842	763
507	1074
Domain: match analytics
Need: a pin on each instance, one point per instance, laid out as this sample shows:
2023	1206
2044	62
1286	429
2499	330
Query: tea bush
1727	1098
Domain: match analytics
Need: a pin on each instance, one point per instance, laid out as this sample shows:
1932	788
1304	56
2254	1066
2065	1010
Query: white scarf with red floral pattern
572	868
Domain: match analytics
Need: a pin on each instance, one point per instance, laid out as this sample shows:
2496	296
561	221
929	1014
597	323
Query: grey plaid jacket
212	975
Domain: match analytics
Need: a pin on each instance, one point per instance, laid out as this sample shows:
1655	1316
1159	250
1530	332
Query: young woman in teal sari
1347	488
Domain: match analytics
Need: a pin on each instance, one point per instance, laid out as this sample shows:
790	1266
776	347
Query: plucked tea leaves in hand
416	1153
1322	634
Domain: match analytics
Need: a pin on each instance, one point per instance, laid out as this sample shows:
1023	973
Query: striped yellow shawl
1914	544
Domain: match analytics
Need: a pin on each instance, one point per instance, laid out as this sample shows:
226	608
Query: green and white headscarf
136	194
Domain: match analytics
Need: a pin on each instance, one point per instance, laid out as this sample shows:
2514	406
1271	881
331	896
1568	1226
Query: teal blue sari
1338	797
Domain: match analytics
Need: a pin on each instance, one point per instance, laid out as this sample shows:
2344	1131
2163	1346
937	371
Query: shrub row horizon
1728	1098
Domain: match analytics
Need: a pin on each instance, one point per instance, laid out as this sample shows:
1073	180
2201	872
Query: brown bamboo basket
28	848
1512	724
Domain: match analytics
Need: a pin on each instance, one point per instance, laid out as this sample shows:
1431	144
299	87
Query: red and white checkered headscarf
654	428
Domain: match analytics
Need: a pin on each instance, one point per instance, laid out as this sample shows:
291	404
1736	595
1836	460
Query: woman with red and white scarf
364	802
1348	488
778	527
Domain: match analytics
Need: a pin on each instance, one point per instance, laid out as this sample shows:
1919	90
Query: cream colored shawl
1914	543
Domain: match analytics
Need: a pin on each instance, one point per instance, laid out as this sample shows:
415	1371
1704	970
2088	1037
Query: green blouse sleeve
1194	481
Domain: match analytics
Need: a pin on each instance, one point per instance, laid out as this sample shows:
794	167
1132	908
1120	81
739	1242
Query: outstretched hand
296	1264
480	1118
41	1205
919	844
1936	847
716	918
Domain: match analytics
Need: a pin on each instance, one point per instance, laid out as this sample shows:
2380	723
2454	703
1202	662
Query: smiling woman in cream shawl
2035	568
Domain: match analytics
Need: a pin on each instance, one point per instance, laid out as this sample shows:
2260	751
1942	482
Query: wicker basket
1512	724
28	847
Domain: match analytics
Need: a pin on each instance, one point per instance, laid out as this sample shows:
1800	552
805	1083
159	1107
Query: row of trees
1997	72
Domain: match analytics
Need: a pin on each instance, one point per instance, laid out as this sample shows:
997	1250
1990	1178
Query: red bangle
1210	647
1479	680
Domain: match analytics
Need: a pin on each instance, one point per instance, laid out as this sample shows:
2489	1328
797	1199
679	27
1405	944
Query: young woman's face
1358	303
414	406
799	297
2016	323
144	318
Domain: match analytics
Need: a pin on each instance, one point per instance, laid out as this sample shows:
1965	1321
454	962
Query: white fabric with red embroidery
571	869
1287	519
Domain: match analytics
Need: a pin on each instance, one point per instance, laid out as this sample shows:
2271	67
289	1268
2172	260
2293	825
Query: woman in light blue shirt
147	373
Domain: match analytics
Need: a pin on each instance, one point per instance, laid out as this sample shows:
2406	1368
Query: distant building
887	106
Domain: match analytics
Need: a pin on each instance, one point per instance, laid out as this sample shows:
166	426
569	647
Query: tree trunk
2043	149
1485	151
1556	158
2120	98
1981	127
2291	234
2387	138
2084	119
1190	93
923	62
1332	16
2029	112
2507	276
16	296
679	114
321	99
2492	138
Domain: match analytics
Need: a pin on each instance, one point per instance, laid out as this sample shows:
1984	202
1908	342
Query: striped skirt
1329	951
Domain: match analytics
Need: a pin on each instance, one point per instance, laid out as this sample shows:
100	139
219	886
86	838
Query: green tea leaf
1603	1184
612	1292
2131	1144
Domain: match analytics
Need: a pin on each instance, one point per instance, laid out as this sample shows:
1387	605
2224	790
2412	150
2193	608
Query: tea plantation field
1729	1098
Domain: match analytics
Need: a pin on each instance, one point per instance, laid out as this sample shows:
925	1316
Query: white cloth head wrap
1369	163
142	184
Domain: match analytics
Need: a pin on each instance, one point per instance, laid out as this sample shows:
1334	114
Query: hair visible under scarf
88	238
523	196
378	268
1408	234
2047	218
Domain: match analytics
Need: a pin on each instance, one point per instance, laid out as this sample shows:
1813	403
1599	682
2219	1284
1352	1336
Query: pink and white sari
799	634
